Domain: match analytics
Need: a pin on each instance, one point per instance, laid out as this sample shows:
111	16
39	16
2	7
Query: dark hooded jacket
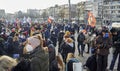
2	50
9	46
53	64
39	60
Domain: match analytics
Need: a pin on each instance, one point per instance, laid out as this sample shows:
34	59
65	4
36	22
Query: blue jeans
115	55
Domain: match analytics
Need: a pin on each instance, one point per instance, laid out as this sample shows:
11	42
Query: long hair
60	61
7	62
69	56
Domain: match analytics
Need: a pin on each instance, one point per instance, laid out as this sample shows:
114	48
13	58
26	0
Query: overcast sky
12	6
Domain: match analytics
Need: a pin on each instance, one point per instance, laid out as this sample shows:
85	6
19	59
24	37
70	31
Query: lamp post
78	15
69	10
102	13
111	12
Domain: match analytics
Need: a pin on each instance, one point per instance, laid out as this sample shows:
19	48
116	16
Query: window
119	11
111	11
112	7
106	2
118	7
118	16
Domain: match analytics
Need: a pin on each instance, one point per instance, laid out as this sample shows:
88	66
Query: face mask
29	48
34	42
106	35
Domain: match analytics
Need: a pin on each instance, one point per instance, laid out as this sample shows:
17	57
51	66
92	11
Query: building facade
111	11
80	12
35	13
97	8
2	13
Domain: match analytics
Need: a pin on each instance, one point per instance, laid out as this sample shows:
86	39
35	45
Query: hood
39	52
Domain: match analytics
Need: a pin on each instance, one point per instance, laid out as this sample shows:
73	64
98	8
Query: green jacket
39	60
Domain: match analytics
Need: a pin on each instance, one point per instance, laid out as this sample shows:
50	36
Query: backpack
81	37
23	65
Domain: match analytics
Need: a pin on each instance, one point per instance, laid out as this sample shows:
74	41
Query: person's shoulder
74	60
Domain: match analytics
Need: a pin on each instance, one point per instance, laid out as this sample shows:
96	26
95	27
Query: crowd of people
33	47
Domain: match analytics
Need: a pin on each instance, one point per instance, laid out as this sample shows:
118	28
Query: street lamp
69	10
111	12
78	15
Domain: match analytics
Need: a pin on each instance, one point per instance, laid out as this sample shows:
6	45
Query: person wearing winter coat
116	49
53	64
60	37
91	63
103	43
81	40
67	47
37	53
87	40
9	46
53	38
2	49
70	60
16	44
47	34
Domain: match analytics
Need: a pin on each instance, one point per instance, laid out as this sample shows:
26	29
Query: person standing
67	47
60	37
116	48
37	53
80	40
103	43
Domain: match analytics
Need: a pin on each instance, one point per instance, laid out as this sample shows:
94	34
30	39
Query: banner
91	19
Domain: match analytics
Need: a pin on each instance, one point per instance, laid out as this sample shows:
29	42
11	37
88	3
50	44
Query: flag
91	19
24	20
29	20
49	20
